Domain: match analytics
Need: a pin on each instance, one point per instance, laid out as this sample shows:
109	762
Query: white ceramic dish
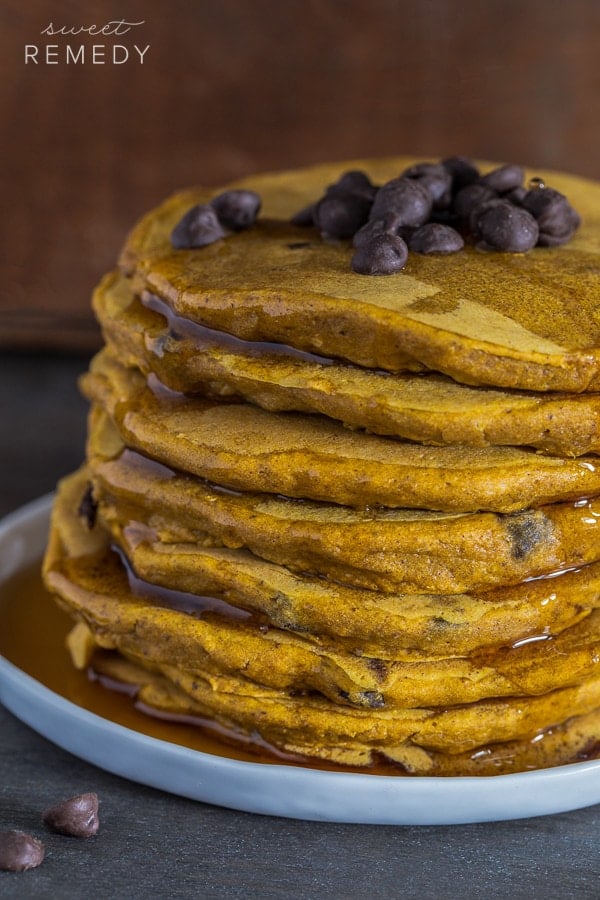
269	789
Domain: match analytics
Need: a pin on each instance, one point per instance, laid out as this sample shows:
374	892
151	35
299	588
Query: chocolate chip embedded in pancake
383	549
380	625
503	319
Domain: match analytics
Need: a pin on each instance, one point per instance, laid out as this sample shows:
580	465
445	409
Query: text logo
80	54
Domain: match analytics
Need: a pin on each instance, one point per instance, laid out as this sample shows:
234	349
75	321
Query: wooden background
229	87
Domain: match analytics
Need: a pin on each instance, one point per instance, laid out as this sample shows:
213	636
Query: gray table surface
152	844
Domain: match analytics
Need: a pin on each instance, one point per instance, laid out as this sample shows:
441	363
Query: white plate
269	789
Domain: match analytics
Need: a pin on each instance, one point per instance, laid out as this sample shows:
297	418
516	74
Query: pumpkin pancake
425	407
572	741
503	319
247	448
382	549
200	655
361	621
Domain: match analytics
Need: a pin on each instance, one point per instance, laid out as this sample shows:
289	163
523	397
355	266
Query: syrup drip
191	604
146	465
210	338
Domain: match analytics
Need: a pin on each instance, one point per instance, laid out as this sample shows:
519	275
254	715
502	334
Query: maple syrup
33	638
206	338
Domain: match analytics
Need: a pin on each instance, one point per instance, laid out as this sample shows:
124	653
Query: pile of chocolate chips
429	208
434	208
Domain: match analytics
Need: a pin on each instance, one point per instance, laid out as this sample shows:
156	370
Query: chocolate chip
435	238
378	667
517	195
468	198
375	228
555	240
478	211
77	816
404	198
370	699
19	851
436	180
355	182
462	170
504	179
305	216
198	228
556	218
88	507
237	210
527	531
384	255
444	217
340	214
505	227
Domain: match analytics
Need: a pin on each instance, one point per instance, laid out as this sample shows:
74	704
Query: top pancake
512	320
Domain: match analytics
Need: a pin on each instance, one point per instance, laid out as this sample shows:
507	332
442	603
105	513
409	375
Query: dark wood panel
229	87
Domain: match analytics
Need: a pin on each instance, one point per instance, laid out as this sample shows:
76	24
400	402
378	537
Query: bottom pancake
575	740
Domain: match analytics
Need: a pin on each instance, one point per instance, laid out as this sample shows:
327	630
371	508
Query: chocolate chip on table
76	817
383	255
199	227
237	209
405	198
504	179
20	851
340	214
435	238
503	226
556	218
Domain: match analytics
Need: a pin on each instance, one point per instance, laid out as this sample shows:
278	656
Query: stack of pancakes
348	518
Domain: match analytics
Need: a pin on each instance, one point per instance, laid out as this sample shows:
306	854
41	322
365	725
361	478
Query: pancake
174	644
389	626
511	320
380	549
311	457
575	740
421	407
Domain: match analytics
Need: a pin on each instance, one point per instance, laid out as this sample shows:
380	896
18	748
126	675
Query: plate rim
272	789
